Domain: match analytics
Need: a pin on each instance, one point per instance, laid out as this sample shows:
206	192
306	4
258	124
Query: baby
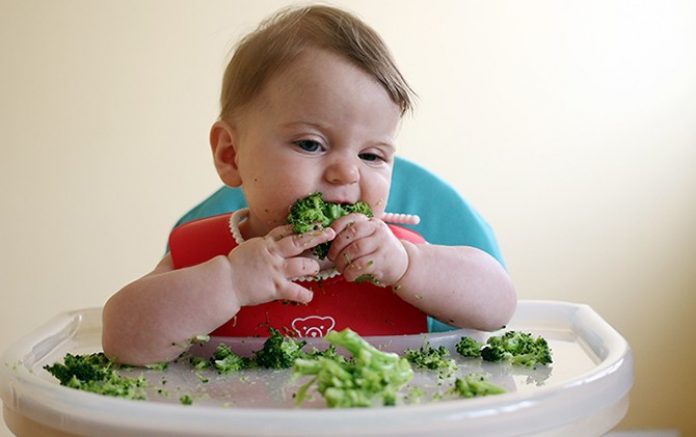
311	102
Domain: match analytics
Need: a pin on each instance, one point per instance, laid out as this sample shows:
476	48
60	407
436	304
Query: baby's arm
459	285
153	318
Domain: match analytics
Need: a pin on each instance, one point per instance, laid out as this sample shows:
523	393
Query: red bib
337	304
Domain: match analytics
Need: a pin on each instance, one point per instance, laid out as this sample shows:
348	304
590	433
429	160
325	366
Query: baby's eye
309	145
370	157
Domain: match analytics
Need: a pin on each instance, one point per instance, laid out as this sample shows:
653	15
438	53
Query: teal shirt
446	217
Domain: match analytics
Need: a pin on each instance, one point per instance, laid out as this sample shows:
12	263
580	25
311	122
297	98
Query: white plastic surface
584	392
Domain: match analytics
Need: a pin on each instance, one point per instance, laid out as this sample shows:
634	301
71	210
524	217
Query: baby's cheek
378	207
273	218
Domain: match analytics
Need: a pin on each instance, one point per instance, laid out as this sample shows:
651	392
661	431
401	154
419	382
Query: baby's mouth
340	202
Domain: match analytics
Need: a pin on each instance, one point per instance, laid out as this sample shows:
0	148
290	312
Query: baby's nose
342	172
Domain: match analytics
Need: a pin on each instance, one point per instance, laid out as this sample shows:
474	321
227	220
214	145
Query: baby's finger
295	292
359	249
365	267
295	244
280	232
342	223
351	233
300	266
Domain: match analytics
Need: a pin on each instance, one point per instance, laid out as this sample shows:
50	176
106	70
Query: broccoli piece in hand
428	357
312	211
370	376
307	213
279	351
520	348
468	347
472	386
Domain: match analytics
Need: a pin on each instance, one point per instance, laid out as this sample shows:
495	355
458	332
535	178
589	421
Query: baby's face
322	124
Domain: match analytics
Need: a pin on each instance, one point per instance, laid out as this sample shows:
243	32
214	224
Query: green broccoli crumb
158	366
415	394
475	385
200	363
329	352
225	361
186	400
367	277
428	357
468	347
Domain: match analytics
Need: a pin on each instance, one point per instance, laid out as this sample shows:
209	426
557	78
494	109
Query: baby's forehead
313	61
318	74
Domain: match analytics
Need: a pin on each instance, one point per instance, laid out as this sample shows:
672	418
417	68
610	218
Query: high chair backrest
446	217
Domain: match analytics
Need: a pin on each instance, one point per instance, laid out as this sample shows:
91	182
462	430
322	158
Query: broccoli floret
158	366
492	352
279	351
414	395
475	385
312	211
226	361
307	213
329	352
428	357
93	367
520	348
535	353
95	373
200	363
370	376
468	347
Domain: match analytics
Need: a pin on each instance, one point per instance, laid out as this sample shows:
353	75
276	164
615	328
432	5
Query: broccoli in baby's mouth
312	212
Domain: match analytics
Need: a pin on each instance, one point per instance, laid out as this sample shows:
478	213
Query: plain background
571	126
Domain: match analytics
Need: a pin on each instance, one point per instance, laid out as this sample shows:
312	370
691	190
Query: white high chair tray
584	392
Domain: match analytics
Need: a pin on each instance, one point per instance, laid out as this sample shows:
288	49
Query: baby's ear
223	142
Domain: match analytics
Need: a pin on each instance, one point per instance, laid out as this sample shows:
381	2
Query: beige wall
570	125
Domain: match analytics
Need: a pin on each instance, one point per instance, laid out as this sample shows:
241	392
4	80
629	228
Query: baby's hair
281	39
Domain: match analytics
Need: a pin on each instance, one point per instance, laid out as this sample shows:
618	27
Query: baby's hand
263	267
366	246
